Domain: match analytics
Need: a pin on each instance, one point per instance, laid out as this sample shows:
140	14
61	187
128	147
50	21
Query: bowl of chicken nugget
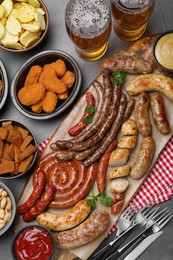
3	85
46	84
23	24
18	149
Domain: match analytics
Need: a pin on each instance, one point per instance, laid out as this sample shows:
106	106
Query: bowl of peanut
46	84
18	149
7	208
23	24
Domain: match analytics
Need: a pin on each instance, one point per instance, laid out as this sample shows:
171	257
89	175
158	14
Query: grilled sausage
60	222
71	179
111	134
143	158
35	195
129	64
81	146
159	114
129	108
76	129
142	115
41	205
151	82
102	167
62	144
86	232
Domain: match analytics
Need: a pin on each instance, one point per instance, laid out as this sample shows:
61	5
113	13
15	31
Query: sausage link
62	144
81	146
111	134
102	167
129	64
36	193
118	201
65	155
143	158
129	108
159	114
41	205
60	222
86	232
76	129
142	115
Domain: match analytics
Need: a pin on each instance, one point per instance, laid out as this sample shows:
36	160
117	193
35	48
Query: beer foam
87	16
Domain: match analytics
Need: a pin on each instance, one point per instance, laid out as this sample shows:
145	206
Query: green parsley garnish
87	120
118	77
106	201
90	110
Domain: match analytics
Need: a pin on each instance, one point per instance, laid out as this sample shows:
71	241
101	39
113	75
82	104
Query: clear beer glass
130	17
88	24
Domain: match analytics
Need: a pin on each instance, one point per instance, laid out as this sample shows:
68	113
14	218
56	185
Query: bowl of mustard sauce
163	51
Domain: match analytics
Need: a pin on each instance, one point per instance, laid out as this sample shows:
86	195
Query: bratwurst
86	232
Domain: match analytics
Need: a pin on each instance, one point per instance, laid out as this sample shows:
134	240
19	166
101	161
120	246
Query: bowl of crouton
3	85
46	84
18	149
23	24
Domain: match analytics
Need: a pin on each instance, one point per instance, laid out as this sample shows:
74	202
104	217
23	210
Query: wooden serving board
61	133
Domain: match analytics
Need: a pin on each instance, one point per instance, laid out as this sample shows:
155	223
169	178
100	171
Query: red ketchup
34	243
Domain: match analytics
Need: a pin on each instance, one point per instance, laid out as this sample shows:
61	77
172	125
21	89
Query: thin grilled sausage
62	144
159	113
86	232
41	205
35	195
111	134
142	115
76	129
129	108
102	167
126	63
81	146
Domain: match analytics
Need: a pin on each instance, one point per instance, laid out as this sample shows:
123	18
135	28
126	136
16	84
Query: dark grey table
57	38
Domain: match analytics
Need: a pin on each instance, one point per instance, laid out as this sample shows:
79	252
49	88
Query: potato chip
28	38
40	10
13	45
2	30
2	11
13	26
8	6
30	27
13	13
40	20
3	21
34	3
8	37
26	13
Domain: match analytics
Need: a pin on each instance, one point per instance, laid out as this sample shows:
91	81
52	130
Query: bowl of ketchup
34	243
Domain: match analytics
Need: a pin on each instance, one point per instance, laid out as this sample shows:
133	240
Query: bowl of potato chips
23	24
46	84
3	85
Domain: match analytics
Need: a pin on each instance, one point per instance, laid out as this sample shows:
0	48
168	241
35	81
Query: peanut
3	202
2	213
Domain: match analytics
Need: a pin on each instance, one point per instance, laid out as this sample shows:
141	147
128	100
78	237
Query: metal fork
153	225
127	220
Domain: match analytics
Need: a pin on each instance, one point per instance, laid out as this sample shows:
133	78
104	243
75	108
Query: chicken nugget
32	94
50	81
37	108
68	79
63	96
33	75
50	102
60	68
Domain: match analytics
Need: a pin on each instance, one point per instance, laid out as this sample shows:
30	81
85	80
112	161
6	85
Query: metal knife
142	246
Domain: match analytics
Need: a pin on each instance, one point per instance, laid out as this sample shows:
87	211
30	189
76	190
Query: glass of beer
88	24
130	17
